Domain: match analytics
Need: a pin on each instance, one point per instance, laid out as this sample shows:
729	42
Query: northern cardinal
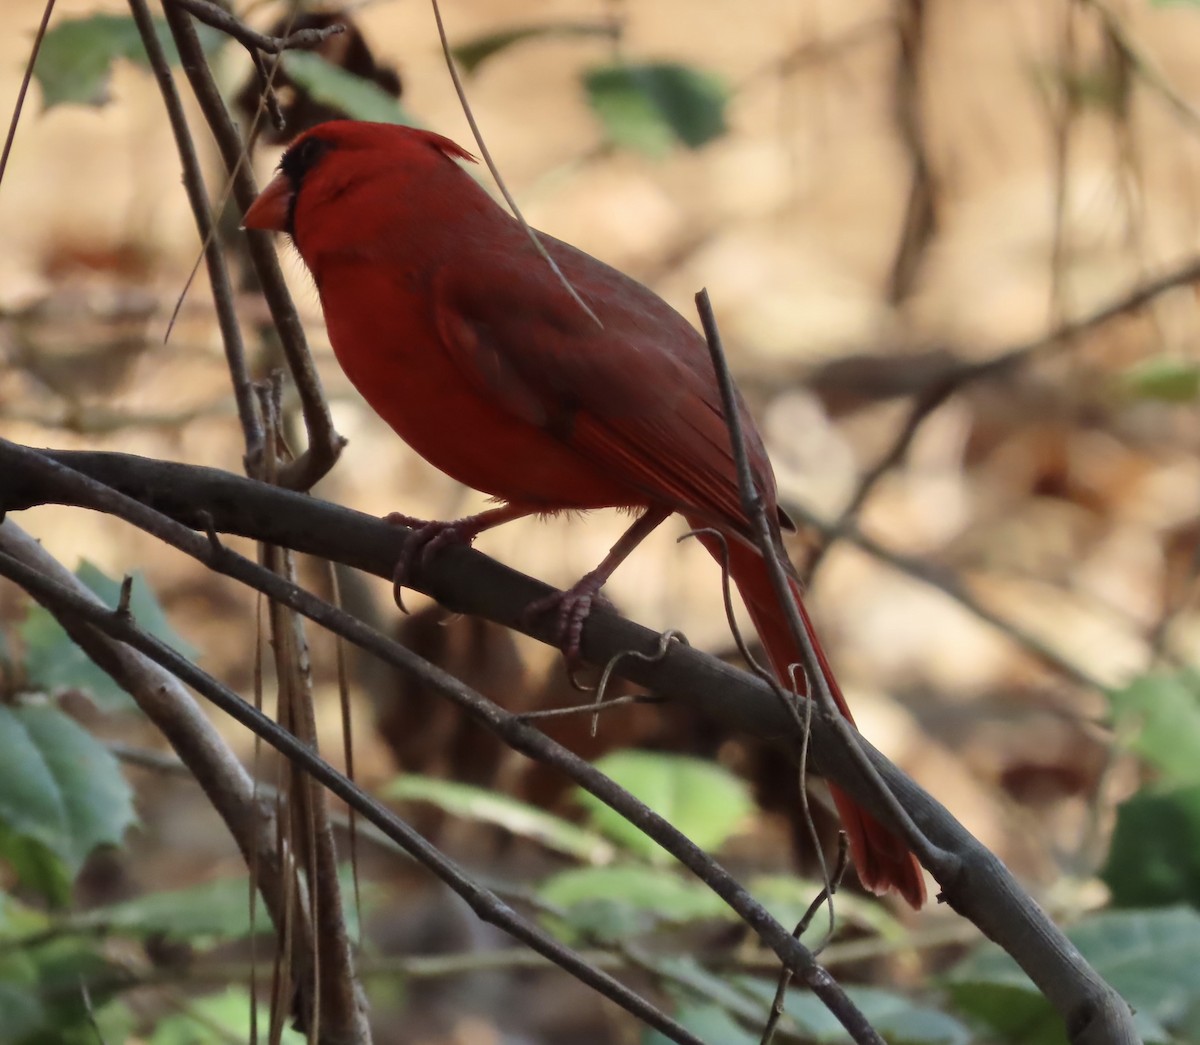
462	337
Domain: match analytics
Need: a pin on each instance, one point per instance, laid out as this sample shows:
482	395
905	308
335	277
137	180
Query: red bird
461	337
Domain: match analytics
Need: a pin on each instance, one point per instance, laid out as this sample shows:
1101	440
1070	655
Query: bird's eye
302	157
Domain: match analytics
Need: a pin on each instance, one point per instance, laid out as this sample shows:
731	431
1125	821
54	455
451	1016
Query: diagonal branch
959	375
218	18
200	748
486	904
467	581
73	486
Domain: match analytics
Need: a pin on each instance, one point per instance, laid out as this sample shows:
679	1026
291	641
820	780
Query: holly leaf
653	107
56	664
62	794
75	62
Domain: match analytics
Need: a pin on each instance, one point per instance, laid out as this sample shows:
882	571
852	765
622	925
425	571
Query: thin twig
944	865
1004	362
485	904
26	77
788	699
218	274
466	581
598	704
339	1004
534	238
949	585
823	897
1145	68
324	443
919	224
221	20
593	709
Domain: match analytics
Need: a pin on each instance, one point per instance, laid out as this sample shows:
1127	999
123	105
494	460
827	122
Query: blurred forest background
878	196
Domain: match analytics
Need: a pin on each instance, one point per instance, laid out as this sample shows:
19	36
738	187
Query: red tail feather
882	859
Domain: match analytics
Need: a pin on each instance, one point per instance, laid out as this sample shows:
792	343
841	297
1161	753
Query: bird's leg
427	538
571	607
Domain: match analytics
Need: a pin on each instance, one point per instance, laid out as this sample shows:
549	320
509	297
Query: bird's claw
420	547
571	609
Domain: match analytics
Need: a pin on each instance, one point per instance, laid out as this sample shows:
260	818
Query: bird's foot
571	609
426	540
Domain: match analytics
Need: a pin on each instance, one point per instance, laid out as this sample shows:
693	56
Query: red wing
636	397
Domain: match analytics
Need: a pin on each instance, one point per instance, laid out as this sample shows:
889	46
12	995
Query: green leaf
61	795
472	54
22	1013
651	108
55	663
76	58
217	910
359	99
898	1019
41	1000
476	803
217	1020
1161	715
202	914
1166	379
724	1008
704	801
1149	957
708	1022
1154	857
615	902
37	866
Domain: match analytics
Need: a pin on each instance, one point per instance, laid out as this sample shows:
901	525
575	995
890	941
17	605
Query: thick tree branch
75	487
468	582
486	904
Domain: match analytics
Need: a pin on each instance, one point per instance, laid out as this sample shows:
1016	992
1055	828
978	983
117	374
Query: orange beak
270	210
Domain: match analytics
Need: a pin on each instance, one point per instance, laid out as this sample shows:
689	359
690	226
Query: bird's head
347	178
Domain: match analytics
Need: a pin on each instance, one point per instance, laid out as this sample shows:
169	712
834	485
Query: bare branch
958	376
517	734
486	904
23	90
218	274
221	20
467	581
166	703
324	444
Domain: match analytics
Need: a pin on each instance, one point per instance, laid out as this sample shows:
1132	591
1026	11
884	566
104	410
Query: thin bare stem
485	904
26	77
495	171
324	444
466	581
221	20
943	864
218	274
